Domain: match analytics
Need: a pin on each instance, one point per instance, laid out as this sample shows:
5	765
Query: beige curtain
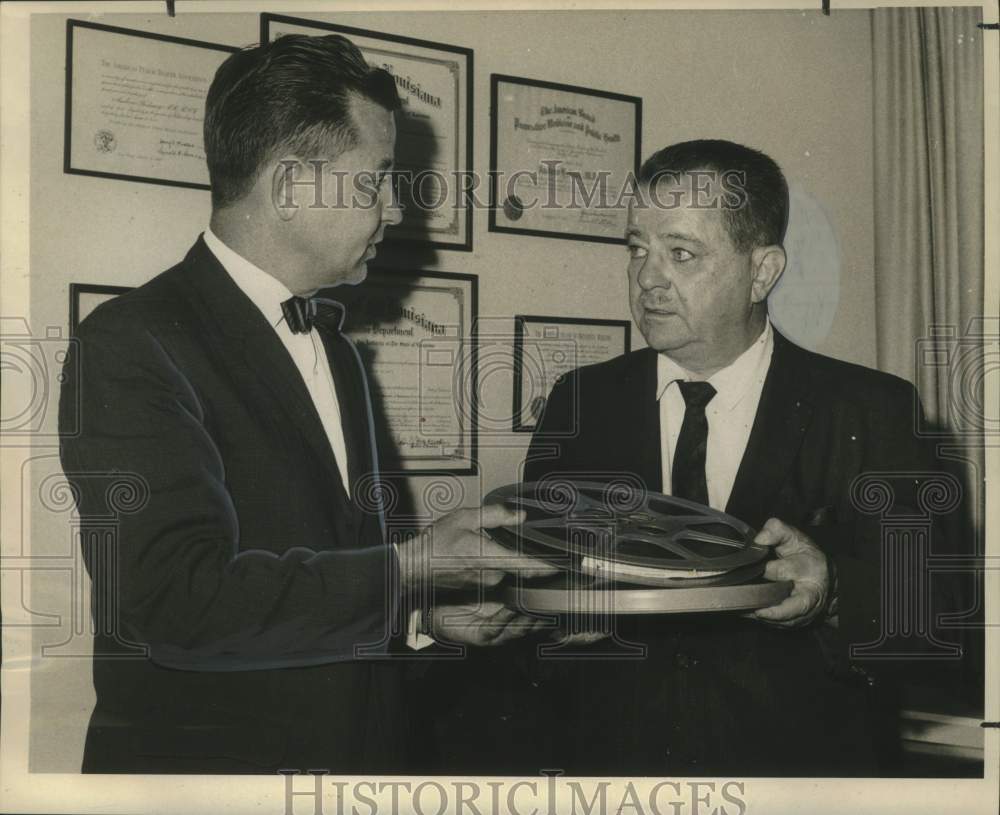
929	275
929	266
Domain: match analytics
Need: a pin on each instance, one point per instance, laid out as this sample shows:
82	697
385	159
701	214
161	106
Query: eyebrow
680	236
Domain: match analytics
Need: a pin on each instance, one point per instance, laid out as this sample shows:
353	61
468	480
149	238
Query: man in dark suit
252	593
724	410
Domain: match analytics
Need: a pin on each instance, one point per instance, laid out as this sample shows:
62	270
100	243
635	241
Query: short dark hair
292	94
762	216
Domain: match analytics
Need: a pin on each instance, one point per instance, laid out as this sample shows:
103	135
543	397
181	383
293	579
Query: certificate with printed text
562	159
135	104
415	332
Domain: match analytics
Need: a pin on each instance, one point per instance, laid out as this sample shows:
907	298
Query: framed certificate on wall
434	128
546	348
135	103
416	334
563	159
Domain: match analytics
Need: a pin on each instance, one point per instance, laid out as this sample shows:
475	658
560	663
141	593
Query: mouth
658	312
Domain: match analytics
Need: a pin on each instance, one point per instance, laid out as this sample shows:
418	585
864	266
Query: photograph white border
23	792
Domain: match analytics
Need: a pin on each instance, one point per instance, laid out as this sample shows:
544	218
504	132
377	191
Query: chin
357	276
661	339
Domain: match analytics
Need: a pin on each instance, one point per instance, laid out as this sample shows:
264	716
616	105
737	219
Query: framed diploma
85	297
563	159
135	103
434	128
545	348
416	335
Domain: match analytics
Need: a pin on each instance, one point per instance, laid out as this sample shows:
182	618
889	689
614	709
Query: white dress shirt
730	414
306	350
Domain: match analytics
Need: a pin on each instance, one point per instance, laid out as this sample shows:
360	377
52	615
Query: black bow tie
302	313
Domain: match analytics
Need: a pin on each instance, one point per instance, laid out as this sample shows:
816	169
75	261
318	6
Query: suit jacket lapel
273	368
259	350
355	407
782	417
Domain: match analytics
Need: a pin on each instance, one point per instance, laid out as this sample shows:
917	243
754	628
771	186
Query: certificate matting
135	104
434	137
546	348
562	159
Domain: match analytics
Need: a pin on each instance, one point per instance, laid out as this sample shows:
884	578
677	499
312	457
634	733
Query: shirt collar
263	290
731	383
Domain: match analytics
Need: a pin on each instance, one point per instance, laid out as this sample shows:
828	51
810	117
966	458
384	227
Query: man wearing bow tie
255	581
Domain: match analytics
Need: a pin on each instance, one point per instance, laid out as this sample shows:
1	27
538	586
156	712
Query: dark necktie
688	472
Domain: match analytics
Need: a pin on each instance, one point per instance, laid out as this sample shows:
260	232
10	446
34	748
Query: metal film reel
612	539
614	531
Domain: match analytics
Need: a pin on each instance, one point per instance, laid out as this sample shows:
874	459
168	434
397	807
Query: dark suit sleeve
189	583
554	442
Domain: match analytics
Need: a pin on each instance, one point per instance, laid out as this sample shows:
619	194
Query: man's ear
283	185
767	264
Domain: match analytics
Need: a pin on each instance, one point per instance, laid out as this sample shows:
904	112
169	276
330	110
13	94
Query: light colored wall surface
795	84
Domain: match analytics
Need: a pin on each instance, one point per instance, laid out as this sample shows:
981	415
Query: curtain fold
929	222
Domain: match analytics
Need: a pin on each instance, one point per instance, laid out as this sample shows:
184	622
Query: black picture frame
76	293
68	168
268	18
520	320
495	82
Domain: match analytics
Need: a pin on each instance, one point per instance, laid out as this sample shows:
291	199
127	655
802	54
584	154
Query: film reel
613	532
618	545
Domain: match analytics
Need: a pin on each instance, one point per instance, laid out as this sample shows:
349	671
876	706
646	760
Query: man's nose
653	273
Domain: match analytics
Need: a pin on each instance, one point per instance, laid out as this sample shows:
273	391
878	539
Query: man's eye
680	255
637	251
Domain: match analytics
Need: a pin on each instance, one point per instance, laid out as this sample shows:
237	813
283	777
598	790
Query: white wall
797	85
